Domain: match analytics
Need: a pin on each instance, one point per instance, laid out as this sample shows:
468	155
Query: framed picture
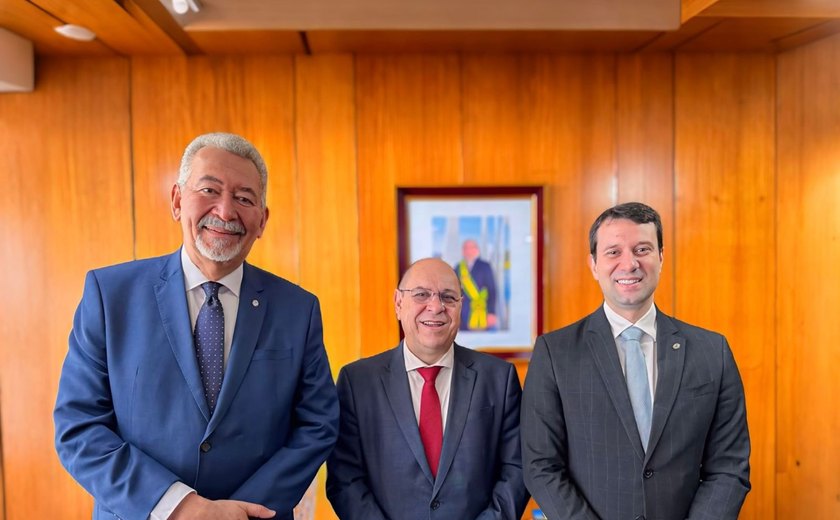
492	237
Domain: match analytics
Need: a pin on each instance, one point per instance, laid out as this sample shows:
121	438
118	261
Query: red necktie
431	423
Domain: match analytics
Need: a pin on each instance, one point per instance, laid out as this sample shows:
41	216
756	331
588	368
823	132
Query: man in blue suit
429	429
629	413
478	310
197	385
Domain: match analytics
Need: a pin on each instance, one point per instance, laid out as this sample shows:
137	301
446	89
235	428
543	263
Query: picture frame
492	237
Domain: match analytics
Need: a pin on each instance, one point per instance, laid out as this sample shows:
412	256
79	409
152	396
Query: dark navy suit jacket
131	417
582	455
378	469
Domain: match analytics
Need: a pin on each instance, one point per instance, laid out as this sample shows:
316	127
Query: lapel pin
675	346
255	303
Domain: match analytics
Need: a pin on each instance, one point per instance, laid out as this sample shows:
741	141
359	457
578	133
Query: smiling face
627	264
220	211
430	328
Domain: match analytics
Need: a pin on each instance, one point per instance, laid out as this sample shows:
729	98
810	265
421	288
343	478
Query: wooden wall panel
329	231
65	208
174	100
409	134
808	454
645	143
550	120
725	218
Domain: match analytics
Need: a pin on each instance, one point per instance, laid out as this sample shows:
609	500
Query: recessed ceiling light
75	32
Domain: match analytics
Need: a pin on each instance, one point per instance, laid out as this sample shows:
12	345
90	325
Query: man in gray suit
429	429
629	413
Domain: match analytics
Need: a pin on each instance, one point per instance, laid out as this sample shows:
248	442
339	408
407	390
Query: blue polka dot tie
210	343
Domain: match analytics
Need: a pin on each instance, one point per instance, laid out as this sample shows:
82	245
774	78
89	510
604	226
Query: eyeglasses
422	296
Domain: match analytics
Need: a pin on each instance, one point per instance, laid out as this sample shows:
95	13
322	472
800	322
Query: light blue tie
635	371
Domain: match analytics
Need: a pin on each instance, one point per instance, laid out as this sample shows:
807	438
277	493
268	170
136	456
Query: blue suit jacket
581	450
131	417
378	469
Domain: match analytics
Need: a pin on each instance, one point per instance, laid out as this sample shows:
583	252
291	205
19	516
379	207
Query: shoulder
133	271
368	366
665	322
574	332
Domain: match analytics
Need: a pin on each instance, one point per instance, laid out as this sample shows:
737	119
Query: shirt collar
618	323
412	362
193	277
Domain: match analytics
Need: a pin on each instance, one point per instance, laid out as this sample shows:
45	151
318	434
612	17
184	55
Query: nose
437	307
226	207
629	262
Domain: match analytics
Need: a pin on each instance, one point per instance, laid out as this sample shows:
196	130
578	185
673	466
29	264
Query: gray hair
232	143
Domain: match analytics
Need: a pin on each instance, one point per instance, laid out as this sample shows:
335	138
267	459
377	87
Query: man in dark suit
478	311
629	413
429	429
197	385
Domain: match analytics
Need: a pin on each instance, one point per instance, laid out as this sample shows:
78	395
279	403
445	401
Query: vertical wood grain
65	208
645	143
409	134
550	120
725	219
808	454
174	100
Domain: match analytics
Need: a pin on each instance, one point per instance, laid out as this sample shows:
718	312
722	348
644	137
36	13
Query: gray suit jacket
581	451
378	469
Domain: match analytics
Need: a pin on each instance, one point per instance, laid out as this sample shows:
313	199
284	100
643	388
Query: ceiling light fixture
75	32
182	6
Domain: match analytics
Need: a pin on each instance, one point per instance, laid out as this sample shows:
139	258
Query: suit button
647	474
435	504
205	447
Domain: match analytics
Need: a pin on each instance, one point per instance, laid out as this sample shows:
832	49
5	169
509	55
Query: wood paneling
645	144
725	219
327	183
65	208
475	41
808	452
113	26
27	20
409	134
174	100
547	120
248	42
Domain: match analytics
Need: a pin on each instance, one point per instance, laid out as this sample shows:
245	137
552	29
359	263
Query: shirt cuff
170	500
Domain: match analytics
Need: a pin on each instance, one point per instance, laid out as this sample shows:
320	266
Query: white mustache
232	226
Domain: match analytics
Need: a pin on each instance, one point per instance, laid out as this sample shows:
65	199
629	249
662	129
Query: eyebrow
216	180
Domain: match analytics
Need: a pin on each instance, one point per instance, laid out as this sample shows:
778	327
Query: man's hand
194	507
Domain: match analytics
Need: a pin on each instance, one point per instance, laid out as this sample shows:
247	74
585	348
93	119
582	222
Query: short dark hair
633	211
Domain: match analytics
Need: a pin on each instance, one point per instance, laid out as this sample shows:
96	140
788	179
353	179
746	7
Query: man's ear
175	202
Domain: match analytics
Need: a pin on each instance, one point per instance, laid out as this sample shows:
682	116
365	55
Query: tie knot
632	334
429	374
211	289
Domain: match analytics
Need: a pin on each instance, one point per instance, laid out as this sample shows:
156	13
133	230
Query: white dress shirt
229	296
648	341
443	382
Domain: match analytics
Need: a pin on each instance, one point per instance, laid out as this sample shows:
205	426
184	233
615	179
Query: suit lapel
670	362
249	320
601	343
395	382
175	318
460	397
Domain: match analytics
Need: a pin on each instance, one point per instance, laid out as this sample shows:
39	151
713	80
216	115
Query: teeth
432	323
627	282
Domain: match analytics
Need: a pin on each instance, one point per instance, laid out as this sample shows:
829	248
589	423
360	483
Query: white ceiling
661	15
